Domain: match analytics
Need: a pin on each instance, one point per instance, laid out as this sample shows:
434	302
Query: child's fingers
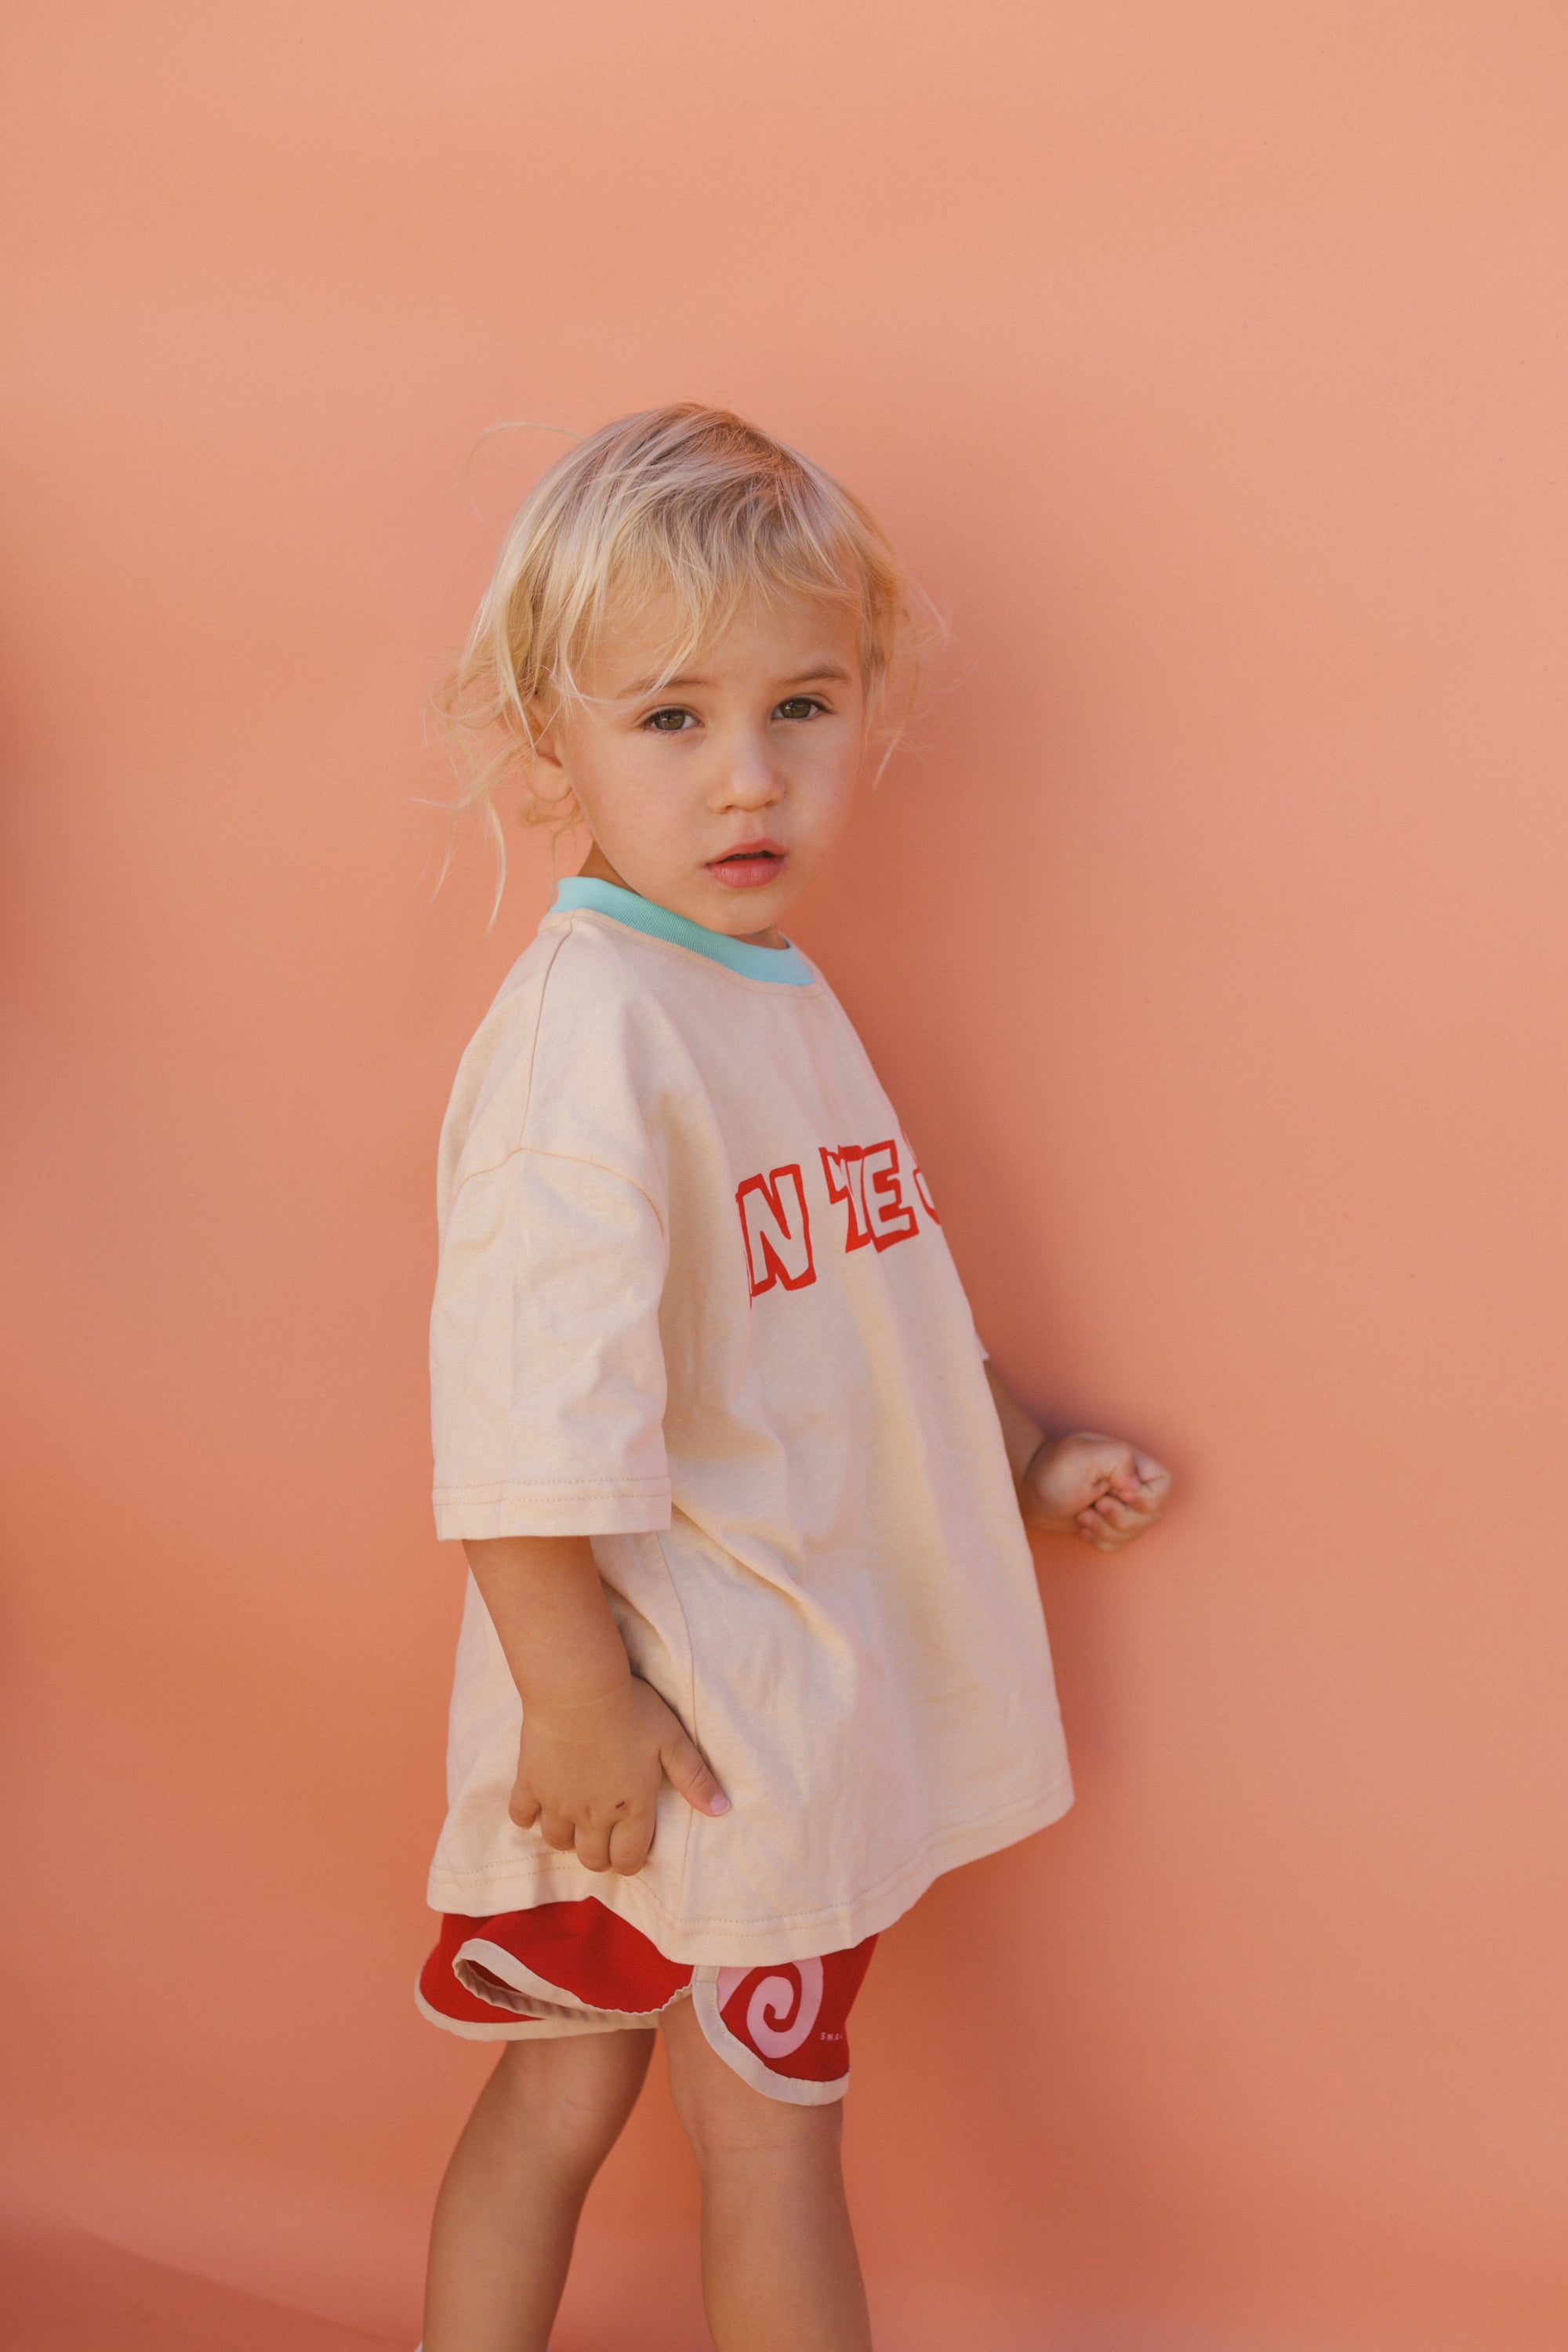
558	1831
629	1842
1108	1524
594	1847
1153	1475
690	1772
524	1808
1134	1502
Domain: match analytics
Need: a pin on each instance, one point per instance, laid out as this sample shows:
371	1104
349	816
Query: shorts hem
518	2029
551	2000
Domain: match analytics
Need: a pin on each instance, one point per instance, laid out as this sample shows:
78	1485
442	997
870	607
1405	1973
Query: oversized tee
694	1302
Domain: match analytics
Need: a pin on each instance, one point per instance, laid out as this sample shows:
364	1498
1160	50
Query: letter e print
865	1177
777	1231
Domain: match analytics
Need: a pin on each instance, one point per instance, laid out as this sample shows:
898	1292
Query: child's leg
508	2209
779	2267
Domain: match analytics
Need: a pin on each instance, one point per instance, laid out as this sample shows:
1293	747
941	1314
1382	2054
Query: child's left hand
1098	1487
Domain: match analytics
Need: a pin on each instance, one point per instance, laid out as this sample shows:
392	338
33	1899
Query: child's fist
1098	1487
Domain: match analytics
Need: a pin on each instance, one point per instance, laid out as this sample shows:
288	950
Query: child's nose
751	778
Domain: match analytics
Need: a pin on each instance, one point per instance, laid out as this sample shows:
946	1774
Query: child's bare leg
779	2269
508	2209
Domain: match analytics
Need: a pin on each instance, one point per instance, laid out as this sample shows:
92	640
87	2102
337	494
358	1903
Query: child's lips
749	866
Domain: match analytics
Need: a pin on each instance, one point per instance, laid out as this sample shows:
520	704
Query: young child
751	1649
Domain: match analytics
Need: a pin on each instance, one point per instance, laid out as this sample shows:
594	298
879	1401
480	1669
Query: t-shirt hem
721	1943
629	1507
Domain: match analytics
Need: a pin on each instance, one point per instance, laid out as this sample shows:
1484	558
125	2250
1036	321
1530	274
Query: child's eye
800	706
668	722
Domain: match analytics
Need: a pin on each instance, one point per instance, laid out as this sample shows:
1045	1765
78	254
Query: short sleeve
547	1374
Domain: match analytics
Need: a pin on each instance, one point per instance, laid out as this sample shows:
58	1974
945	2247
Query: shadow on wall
61	2291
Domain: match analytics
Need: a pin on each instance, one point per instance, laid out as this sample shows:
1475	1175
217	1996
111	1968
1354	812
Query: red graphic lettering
890	1216
846	1181
865	1176
777	1231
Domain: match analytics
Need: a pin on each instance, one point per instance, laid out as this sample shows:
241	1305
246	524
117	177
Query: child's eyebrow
829	669
642	686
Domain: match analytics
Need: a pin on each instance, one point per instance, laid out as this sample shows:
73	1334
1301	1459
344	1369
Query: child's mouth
746	869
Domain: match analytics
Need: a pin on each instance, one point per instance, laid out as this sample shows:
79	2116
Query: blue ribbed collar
785	964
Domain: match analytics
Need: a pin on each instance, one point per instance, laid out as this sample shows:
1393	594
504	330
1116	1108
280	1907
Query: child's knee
748	2126
722	2115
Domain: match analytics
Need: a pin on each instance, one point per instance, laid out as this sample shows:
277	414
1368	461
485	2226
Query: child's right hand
597	1741
589	1772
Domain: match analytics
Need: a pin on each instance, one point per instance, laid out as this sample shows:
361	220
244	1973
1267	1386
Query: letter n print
777	1230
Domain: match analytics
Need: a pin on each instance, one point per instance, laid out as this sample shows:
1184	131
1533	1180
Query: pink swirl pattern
784	2007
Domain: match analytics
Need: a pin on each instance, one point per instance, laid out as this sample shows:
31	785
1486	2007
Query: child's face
718	794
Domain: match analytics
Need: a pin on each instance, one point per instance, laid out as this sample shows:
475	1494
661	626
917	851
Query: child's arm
1099	1488
597	1740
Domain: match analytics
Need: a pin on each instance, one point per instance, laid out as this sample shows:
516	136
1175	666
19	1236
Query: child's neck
597	867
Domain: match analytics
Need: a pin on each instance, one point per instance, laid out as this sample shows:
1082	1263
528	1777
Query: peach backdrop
1208	362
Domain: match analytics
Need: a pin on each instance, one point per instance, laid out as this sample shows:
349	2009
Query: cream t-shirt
694	1302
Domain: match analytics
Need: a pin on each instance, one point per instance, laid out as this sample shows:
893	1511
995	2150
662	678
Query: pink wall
1208	362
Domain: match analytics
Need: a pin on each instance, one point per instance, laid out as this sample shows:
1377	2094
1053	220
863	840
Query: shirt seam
692	1713
538	1025
567	1159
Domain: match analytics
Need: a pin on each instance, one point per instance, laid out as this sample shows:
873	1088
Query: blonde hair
686	503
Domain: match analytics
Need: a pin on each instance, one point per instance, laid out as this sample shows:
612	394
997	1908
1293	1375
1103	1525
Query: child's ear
544	750
548	785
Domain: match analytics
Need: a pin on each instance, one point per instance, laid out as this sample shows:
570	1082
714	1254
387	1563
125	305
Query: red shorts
576	1967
